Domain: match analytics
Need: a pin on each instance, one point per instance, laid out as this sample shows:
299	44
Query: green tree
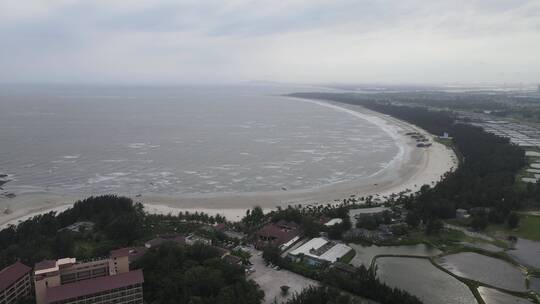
272	255
513	220
434	226
412	219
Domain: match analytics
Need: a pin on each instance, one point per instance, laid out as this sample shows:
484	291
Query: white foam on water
392	130
107	177
71	156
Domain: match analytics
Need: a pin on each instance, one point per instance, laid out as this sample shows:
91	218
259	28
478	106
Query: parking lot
271	280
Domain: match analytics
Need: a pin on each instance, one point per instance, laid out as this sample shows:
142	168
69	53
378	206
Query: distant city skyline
297	41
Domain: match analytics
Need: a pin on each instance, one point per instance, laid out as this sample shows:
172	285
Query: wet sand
409	170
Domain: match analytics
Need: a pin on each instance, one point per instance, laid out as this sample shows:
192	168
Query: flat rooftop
322	249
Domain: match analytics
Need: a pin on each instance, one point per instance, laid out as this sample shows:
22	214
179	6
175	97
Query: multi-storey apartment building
14	283
105	280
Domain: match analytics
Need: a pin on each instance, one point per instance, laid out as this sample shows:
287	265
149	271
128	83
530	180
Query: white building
318	251
333	222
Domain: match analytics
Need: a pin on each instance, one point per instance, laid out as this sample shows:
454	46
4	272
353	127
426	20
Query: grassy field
529	228
445	141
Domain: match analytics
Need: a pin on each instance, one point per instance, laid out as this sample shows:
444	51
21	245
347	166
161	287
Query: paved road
469	233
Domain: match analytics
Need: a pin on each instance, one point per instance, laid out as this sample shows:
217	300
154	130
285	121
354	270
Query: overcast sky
303	41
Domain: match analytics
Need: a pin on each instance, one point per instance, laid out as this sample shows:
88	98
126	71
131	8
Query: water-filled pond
485	269
534	284
526	252
493	296
420	278
365	254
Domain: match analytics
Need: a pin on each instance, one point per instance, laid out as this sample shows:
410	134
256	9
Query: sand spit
411	168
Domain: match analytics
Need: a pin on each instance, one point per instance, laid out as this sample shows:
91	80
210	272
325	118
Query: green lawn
529	228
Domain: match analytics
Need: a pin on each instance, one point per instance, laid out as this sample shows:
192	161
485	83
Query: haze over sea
87	140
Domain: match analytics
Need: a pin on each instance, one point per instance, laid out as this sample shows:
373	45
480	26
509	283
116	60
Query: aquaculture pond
421	278
534	284
365	254
485	269
526	252
493	296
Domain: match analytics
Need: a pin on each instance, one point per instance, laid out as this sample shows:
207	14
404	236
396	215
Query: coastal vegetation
194	274
174	274
321	295
484	181
118	222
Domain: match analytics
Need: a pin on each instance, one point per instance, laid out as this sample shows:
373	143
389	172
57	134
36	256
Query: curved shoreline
411	168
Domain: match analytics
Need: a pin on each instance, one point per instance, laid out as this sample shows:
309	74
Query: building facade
121	288
15	283
100	280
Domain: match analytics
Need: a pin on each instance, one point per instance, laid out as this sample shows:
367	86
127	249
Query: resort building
319	251
282	234
462	213
194	239
159	240
14	283
132	254
230	233
107	280
122	288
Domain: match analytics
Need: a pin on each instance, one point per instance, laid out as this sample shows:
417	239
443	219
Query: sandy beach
409	170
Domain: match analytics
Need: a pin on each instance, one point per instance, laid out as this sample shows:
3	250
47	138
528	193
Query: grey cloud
295	40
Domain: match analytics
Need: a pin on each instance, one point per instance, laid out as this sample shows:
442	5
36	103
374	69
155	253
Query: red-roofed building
14	283
121	288
282	234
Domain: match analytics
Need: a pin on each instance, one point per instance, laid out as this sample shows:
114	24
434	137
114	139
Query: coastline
411	168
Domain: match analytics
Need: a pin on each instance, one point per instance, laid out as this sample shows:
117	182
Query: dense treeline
321	295
365	283
486	175
194	274
309	218
118	221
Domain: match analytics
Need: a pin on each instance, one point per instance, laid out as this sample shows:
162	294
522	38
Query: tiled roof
281	231
93	286
12	273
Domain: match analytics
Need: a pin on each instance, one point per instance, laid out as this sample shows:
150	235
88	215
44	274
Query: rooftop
45	264
155	242
281	231
333	222
93	286
122	252
322	249
12	273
